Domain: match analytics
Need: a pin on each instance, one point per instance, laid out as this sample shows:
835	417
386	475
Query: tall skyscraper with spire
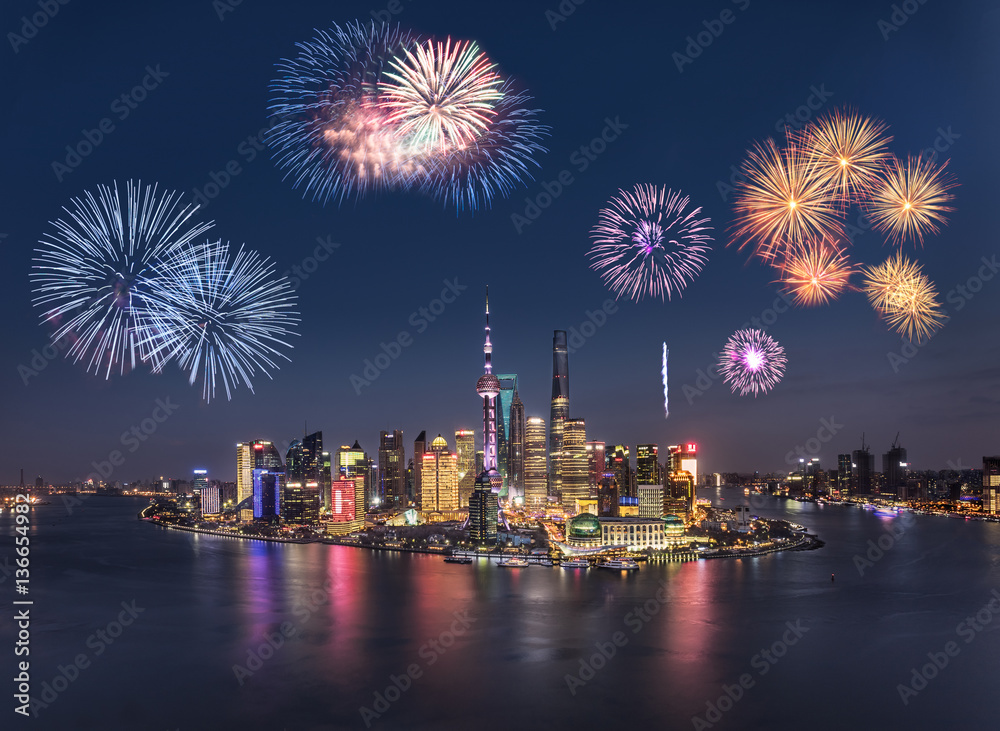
484	501
560	408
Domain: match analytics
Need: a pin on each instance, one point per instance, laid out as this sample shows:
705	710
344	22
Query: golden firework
782	201
909	201
901	293
847	152
816	272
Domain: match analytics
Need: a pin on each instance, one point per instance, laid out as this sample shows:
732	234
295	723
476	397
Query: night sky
934	80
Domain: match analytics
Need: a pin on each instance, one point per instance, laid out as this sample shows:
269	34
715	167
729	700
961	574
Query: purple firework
646	243
752	361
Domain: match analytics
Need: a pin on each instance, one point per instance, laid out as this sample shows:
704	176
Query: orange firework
816	272
904	296
782	201
847	151
910	200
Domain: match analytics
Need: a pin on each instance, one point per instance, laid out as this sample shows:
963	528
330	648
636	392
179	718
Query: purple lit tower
484	510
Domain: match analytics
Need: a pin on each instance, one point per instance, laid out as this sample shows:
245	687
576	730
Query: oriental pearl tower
484	512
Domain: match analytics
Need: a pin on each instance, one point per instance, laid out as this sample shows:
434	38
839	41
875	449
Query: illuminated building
465	446
844	473
343	517
584	531
257	454
650	500
574	463
200	481
679	495
647	468
419	447
439	481
636	534
325	477
505	426
894	468
211	500
628	507
352	463
515	461
559	412
620	463
535	475
991	484
300	498
684	458
267	494
607	496
391	468
673	529
484	504
595	464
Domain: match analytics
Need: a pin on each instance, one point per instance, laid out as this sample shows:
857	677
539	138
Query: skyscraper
535	474
439	481
300	498
392	469
991	484
256	454
862	469
325	479
268	487
465	446
484	504
419	447
508	387
620	463
650	500
559	410
343	516
647	464
575	468
894	469
844	474
351	463
684	458
515	461
596	464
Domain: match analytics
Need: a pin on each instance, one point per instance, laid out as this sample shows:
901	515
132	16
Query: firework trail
782	201
910	201
666	389
647	244
904	296
752	362
92	274
846	152
816	272
225	316
441	96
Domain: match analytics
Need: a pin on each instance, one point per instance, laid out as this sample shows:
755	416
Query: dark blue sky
684	130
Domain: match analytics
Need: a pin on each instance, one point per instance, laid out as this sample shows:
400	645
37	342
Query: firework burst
646	243
782	201
93	274
910	201
904	296
666	387
441	96
331	136
224	318
752	362
816	272
846	152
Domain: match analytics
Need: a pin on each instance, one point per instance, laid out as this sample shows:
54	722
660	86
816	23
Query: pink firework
752	361
648	243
